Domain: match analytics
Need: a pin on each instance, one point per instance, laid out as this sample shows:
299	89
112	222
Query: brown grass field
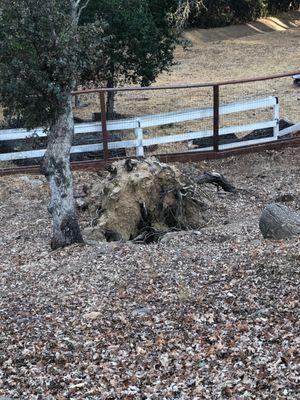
235	52
269	46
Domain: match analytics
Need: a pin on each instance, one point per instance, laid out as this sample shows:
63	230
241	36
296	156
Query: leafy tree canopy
141	39
42	52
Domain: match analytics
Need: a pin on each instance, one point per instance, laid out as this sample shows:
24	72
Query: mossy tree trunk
57	169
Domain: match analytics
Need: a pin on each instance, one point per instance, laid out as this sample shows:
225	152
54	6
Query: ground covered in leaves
207	314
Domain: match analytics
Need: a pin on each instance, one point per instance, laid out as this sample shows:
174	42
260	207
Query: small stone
92	315
197	233
141	312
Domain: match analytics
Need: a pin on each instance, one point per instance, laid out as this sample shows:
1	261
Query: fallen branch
217	180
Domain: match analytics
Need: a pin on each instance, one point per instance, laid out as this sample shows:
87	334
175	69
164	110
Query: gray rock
278	222
141	312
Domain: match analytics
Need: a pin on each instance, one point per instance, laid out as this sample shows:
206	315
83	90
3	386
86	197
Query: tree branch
217	180
80	9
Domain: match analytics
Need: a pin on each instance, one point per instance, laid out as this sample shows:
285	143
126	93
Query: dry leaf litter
202	314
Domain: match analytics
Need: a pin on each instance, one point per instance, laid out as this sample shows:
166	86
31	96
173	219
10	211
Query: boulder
278	222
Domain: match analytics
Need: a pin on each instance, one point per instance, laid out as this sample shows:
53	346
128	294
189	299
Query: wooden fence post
276	116
216	91
104	126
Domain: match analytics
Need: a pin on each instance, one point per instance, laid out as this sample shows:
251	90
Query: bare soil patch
208	314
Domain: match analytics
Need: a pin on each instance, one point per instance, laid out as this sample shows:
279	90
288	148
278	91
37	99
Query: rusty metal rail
97	165
187	86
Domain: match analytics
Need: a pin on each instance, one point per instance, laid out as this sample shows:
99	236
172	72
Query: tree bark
77	98
278	222
57	169
216	179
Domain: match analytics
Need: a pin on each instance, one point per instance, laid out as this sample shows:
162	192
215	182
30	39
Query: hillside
265	47
211	314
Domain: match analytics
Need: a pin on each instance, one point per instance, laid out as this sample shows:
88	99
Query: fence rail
139	124
188	86
148	121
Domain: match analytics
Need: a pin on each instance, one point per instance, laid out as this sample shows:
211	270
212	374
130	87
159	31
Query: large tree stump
141	200
278	222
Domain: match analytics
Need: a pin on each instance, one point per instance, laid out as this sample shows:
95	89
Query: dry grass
221	54
208	61
234	52
243	53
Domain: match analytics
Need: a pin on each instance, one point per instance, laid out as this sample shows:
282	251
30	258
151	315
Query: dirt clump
141	200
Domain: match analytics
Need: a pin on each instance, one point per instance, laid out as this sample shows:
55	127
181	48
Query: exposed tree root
141	200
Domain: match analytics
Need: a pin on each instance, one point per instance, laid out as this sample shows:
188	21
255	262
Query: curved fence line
186	86
216	132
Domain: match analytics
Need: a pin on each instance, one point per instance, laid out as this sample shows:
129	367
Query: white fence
148	121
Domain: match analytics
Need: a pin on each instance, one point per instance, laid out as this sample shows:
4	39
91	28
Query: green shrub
276	6
217	13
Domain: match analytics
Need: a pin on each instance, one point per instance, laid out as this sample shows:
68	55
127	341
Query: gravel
207	314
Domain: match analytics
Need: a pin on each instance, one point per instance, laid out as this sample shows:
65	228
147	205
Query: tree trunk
278	222
77	98
57	169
